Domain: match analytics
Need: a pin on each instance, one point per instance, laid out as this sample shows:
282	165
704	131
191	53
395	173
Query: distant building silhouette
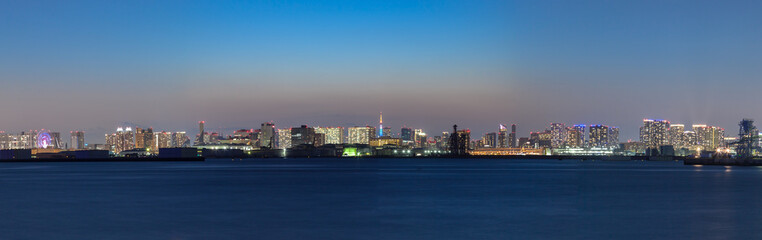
303	135
459	141
200	133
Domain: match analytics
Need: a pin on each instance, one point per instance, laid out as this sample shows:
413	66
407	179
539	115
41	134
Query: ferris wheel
44	140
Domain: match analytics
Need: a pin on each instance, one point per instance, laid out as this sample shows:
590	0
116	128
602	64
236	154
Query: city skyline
93	66
558	131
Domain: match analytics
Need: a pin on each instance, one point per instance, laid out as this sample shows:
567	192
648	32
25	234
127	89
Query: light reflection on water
378	199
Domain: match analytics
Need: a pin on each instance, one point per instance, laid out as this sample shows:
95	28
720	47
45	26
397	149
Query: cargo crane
748	139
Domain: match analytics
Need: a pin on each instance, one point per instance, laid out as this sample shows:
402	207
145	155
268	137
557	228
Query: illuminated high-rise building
25	140
77	140
576	136
163	140
709	137
333	135
557	135
180	139
653	133
144	138
284	138
150	140
443	142
675	136
267	136
598	136
419	137
540	139
502	136
406	134
613	137
112	142
689	139
387	132
360	135
120	141
489	140
139	139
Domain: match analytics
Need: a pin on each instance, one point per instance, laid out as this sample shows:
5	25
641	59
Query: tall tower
267	136
201	133
502	136
513	139
381	124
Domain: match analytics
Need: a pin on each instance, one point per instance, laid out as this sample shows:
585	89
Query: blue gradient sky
95	65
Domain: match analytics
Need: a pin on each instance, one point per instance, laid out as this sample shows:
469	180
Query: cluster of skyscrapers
146	139
559	135
656	134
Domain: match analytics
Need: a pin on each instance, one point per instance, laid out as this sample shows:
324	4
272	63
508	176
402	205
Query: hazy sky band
94	65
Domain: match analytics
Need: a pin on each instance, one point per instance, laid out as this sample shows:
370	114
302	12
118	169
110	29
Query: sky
97	65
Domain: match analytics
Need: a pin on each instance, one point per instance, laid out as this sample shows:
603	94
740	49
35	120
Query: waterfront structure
284	138
506	151
360	135
653	133
303	135
607	151
385	140
633	148
77	140
333	135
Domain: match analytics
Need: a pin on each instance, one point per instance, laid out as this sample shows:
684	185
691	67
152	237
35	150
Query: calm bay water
379	199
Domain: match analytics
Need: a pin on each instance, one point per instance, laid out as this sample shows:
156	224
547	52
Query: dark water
379	199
